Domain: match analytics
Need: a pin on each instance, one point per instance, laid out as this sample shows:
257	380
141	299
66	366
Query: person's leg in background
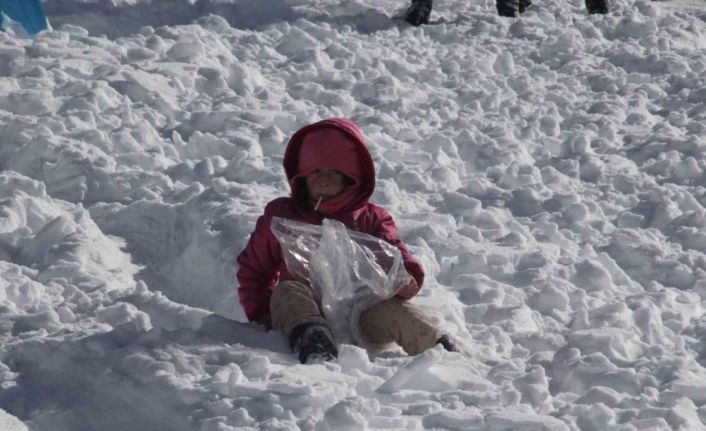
418	12
597	6
511	8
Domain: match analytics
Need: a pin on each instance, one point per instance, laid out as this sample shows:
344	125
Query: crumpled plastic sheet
348	271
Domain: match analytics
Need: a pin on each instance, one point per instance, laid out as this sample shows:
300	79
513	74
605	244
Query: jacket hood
365	188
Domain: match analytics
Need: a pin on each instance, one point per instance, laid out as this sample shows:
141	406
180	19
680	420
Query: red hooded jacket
261	264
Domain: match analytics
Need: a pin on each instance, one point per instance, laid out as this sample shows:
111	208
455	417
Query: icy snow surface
549	172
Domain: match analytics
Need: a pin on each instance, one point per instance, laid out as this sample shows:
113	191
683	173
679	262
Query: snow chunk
225	381
348	415
187	50
123	313
47	319
504	64
691	384
10	423
458	420
615	343
296	41
246	80
408	372
506	421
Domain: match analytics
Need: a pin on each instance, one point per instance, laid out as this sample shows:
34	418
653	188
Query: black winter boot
314	342
418	12
447	343
511	8
597	6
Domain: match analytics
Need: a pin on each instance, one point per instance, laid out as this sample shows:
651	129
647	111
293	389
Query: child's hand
409	289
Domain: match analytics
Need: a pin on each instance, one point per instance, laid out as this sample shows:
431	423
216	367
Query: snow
548	172
10	423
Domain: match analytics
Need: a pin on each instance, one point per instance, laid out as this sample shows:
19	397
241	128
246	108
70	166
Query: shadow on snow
122	20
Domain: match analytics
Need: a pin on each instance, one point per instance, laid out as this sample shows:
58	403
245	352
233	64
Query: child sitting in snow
331	175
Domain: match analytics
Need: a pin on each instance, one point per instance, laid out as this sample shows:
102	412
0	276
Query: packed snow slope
548	171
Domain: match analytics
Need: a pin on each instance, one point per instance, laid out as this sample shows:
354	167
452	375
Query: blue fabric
29	13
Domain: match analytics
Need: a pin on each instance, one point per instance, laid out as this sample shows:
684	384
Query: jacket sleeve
387	230
258	266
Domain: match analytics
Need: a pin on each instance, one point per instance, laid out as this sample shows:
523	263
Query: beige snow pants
394	320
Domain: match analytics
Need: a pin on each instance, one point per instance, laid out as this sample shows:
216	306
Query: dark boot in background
512	8
419	12
597	6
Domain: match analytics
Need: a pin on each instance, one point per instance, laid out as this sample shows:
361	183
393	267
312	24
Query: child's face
324	183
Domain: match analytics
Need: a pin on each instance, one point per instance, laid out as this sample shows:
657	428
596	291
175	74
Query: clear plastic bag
348	271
